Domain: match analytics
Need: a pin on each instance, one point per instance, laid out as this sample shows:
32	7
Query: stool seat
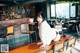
29	32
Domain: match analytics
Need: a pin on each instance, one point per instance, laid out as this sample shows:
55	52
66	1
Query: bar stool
10	31
71	42
25	30
31	32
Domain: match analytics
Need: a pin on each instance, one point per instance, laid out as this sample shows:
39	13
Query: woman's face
39	19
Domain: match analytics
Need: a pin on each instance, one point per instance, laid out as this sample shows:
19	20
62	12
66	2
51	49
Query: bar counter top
33	47
15	22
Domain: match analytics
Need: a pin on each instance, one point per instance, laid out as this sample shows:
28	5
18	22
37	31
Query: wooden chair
10	30
58	47
71	41
64	50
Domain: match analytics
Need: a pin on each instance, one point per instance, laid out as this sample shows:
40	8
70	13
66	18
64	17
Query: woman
46	33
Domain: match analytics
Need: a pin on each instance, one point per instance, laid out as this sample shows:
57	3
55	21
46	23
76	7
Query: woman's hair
40	13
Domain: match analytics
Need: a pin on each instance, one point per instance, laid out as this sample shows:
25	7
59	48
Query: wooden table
33	48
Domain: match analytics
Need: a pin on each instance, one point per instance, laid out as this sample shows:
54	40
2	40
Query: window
52	10
73	11
62	10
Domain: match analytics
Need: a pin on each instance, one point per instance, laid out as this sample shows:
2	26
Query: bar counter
34	48
15	22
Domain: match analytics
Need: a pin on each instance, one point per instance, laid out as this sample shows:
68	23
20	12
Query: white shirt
47	34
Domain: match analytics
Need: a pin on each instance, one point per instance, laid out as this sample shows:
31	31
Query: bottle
23	10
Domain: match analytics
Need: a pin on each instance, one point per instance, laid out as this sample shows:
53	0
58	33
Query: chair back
24	28
71	41
58	46
10	30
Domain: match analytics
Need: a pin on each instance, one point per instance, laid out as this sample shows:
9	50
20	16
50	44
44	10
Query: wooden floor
33	48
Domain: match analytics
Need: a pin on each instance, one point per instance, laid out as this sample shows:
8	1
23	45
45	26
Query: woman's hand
39	43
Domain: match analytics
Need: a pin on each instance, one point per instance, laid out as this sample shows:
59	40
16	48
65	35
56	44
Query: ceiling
17	2
11	3
4	3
